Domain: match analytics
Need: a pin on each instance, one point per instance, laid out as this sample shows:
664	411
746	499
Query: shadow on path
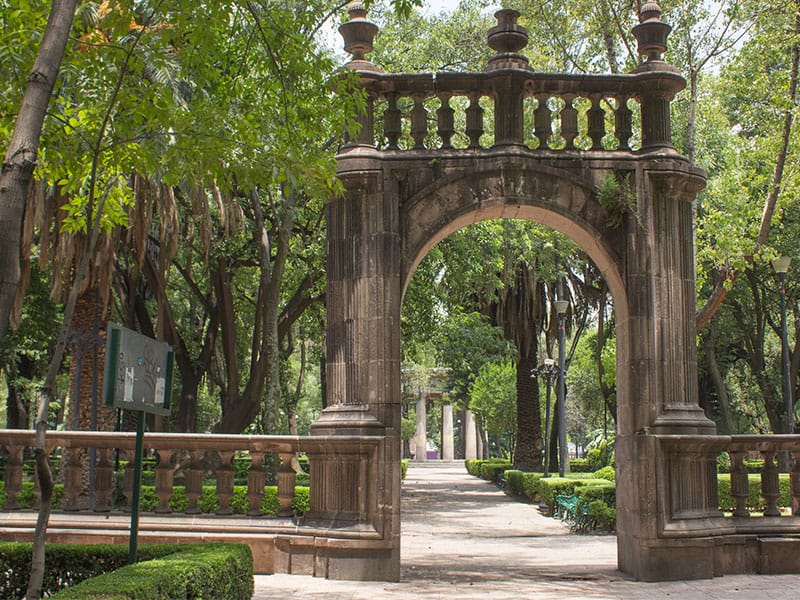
464	538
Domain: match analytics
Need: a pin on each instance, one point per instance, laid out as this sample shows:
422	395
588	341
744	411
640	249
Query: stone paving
464	538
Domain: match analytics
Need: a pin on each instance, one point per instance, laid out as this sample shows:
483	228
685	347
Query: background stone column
470	436
448	452
421	437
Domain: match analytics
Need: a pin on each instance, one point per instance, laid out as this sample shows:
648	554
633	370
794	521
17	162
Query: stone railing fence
690	494
540	111
195	452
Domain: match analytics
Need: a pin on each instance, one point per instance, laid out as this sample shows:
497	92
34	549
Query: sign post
138	377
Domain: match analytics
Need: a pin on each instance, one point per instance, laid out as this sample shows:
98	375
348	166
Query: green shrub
606	473
580	465
754	466
600	515
208	571
492	471
754	500
513	479
403	468
607	492
67	564
473	467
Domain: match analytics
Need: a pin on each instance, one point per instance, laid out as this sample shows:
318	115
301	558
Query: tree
20	159
493	400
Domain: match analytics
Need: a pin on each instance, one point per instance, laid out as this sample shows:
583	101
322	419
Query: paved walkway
463	538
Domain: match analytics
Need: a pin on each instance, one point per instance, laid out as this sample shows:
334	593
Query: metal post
547	378
563	454
137	484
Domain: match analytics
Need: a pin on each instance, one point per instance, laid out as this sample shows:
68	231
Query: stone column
448	452
470	441
362	366
421	437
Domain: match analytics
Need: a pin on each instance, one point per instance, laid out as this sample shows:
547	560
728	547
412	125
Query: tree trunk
726	416
528	452
20	160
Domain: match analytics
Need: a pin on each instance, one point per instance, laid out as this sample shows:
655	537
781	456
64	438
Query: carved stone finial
507	38
358	34
651	33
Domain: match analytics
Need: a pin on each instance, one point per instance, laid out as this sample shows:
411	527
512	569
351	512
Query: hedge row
72	571
66	564
201	572
208	501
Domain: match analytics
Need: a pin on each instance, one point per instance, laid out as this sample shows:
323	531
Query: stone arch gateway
426	163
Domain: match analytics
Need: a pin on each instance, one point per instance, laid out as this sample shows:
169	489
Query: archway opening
480	330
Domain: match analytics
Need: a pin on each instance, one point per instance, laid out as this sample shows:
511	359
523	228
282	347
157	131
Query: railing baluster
13	476
165	476
474	129
543	121
569	121
740	484
770	488
392	122
73	477
103	480
445	121
596	126
794	482
419	122
623	123
286	480
225	473
194	482
127	482
256	478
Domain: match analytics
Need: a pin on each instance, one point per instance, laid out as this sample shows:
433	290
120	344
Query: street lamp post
563	454
548	369
781	266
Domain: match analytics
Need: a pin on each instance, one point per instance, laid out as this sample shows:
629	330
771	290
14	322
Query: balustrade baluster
445	120
194	482
366	134
286	481
569	122
543	121
596	126
392	121
623	118
165	476
474	129
13	476
770	488
127	481
794	482
740	484
73	477
256	479
225	473
419	122
103	480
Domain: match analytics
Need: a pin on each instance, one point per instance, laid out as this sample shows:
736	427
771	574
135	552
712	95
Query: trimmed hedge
550	487
208	571
208	502
67	564
494	471
474	465
403	468
580	465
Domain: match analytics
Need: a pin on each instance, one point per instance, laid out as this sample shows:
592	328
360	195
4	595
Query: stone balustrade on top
543	112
